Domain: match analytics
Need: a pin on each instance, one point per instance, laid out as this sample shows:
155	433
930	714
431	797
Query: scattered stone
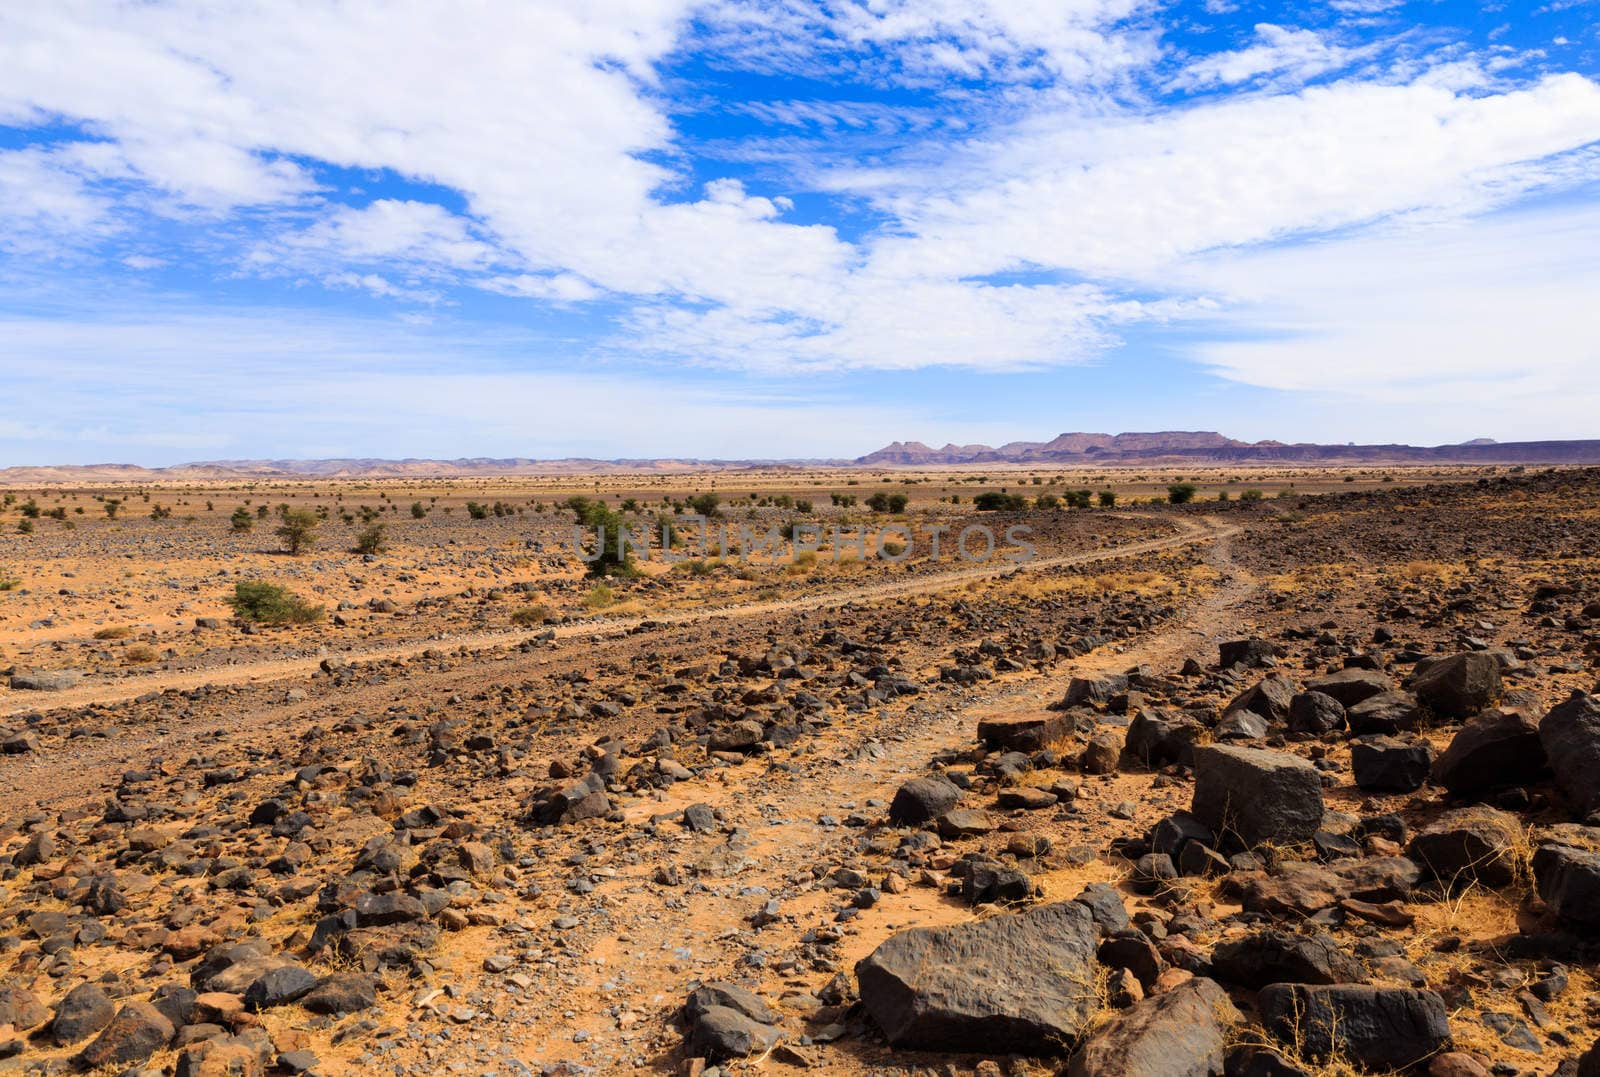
1459	686
1179	1033
1571	736
1021	983
1375	1027
1476	844
137	1031
1259	795
1498	747
1383	764
923	799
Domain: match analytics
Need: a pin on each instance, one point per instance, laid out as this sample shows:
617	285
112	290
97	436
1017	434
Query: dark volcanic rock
85	1010
279	987
1180	1033
1571	736
923	799
726	1021
138	1031
1271	956
1498	747
1386	765
21	1008
344	992
1568	880
1259	795
1459	686
1477	844
1315	713
584	799
1246	652
1384	713
1374	1027
1023	733
1351	686
1155	739
1021	983
1269	697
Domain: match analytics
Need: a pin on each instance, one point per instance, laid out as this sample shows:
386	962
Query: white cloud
545	126
1294	56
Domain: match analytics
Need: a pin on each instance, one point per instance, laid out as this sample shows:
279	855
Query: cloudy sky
760	228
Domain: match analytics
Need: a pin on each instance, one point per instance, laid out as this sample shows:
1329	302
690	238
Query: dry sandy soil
486	816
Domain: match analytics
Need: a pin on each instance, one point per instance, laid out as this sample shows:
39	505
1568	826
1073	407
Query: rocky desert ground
1305	780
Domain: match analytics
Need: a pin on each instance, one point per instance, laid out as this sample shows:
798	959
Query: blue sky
764	228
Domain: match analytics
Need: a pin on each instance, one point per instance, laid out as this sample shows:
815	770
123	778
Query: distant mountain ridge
1210	447
1163	447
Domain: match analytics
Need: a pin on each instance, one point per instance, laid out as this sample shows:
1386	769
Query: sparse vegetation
371	540
298	531
269	604
1181	493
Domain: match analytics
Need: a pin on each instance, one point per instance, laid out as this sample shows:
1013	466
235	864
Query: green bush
417	511
607	547
705	505
883	501
370	540
999	501
1251	494
1181	493
298	531
268	604
477	511
241	519
1108	499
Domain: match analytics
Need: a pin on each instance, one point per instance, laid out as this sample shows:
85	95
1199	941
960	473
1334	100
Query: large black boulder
1258	795
1374	1027
1021	984
1571	736
1179	1033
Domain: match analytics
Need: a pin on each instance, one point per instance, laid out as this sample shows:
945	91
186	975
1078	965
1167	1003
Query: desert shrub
606	549
241	519
269	604
141	653
477	511
160	512
370	540
1251	494
114	632
1079	499
298	531
697	566
530	615
261	512
599	597
1049	501
9	583
112	504
1222	495
843	501
883	501
25	526
705	505
999	501
417	511
1181	493
29	509
891	548
802	505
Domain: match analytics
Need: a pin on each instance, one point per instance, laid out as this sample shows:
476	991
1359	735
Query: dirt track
126	688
